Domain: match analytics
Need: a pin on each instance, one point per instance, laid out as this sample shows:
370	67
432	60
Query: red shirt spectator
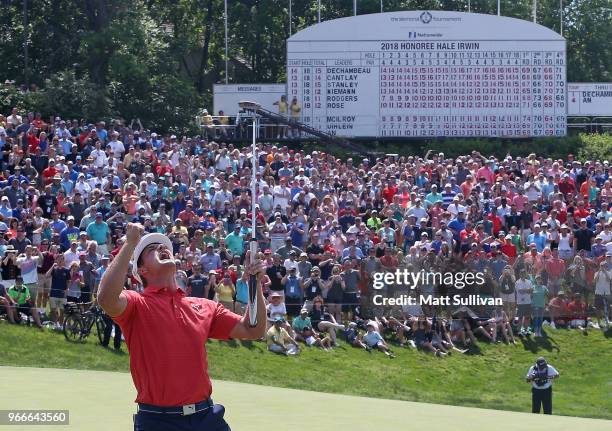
388	193
497	222
49	173
559	305
33	143
509	249
468	236
577	309
187	215
567	186
555	267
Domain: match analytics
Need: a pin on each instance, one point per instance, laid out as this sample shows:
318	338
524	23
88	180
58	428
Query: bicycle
79	324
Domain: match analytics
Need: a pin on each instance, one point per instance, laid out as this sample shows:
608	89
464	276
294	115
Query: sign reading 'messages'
226	97
420	74
590	99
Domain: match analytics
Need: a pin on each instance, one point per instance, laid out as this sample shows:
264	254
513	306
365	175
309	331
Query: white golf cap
145	241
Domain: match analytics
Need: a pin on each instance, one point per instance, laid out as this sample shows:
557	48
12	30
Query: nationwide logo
412	35
425	17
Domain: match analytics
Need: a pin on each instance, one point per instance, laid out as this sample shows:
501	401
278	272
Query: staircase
281	119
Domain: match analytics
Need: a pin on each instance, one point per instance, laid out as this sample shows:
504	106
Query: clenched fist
133	233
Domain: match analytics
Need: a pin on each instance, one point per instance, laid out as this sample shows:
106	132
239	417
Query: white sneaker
552	325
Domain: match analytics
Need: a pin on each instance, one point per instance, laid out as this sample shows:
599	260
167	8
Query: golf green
100	400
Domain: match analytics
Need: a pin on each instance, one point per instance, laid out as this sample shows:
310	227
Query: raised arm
243	330
110	296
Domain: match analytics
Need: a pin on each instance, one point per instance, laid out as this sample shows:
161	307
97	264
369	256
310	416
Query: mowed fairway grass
103	400
491	377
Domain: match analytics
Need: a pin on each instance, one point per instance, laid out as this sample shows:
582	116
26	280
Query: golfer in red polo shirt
166	332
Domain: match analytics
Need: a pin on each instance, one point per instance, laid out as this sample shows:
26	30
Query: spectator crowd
539	229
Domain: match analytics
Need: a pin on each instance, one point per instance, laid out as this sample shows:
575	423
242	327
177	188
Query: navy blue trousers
208	420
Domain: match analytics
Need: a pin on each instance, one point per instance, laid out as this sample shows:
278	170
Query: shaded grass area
489	377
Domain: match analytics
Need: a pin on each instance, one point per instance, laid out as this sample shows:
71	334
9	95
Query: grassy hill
491	377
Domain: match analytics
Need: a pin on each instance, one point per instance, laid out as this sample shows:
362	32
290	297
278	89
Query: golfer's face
156	254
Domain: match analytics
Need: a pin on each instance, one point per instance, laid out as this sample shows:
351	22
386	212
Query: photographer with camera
541	375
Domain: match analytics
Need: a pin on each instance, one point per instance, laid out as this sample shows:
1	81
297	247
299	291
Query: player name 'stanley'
343	84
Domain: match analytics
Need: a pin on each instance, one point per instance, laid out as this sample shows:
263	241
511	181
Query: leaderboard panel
395	88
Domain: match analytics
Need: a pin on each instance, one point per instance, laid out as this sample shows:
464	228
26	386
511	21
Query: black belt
185	410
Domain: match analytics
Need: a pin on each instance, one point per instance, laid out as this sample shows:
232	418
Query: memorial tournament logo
425	17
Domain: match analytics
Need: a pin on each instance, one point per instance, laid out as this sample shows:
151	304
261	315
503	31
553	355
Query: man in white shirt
603	292
14	119
523	301
222	161
266	202
116	146
82	187
62	132
532	191
417	210
100	159
98	179
300	176
71	255
540	376
28	264
221	196
456	207
292	263
282	195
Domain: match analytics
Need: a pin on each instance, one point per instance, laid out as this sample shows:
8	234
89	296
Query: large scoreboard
429	74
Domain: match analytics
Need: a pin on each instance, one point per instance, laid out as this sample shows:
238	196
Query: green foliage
10	97
596	147
73	97
64	93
